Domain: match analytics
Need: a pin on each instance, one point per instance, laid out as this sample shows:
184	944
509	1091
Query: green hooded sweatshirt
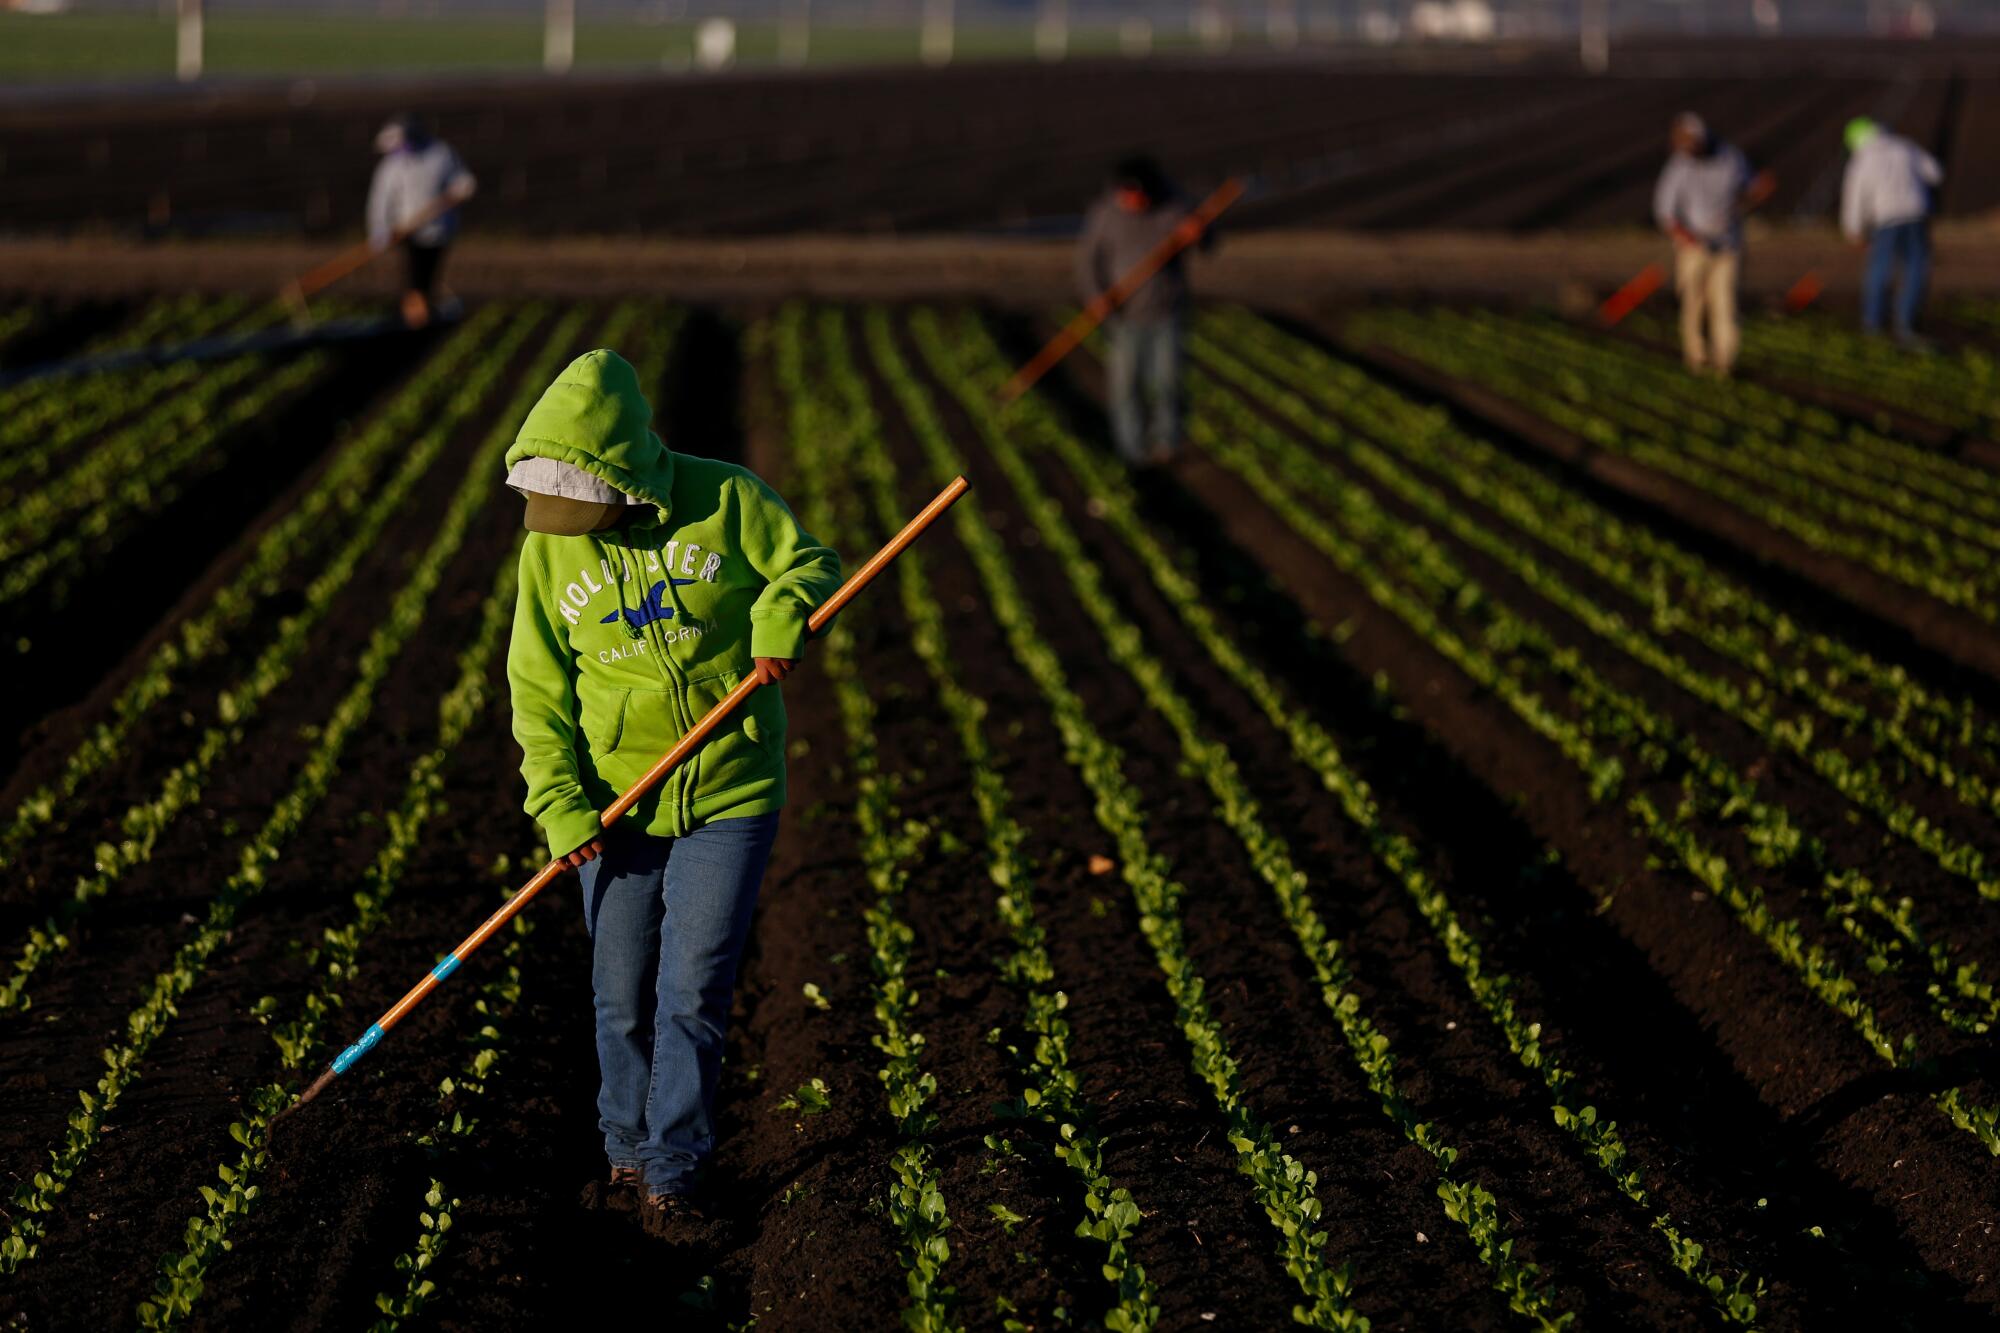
624	639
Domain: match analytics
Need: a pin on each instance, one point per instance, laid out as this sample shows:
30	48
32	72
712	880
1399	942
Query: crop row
405	615
173	317
493	1006
1051	1093
328	508
1732	794
1111	498
298	1038
141	826
1813	514
1284	1186
35	438
1914	496
1960	387
1421	586
53	545
890	847
1466	1202
1816	436
1680	592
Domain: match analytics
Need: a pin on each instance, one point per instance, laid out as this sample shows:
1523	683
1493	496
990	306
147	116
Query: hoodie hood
595	417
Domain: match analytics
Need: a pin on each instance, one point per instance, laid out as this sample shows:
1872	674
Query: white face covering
547	476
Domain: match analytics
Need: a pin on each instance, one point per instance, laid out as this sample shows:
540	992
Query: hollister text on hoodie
623	639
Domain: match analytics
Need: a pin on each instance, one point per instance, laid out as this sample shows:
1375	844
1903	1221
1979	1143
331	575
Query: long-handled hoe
665	765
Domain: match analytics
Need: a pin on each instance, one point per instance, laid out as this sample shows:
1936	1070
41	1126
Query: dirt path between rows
1288	269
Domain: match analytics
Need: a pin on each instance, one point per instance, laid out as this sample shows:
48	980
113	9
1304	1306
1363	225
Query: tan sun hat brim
560	516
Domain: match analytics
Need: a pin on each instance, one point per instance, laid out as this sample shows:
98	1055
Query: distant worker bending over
1885	203
419	184
1706	188
1139	209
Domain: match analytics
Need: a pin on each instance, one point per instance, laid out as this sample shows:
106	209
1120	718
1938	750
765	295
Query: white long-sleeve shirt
1889	180
406	182
1702	195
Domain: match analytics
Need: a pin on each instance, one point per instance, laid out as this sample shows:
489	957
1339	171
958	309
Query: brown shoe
627	1177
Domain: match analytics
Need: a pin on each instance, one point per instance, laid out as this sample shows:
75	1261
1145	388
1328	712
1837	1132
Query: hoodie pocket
601	714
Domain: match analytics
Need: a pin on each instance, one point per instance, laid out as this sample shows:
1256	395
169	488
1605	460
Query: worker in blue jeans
1885	204
668	919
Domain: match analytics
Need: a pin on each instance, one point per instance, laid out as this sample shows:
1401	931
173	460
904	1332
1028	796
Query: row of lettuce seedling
1860	530
36	440
1958	387
183	1273
1733	795
141	825
1682	592
1315	749
1420	591
87	517
1722	409
405	615
493	1005
29	409
328	508
1797	507
1466	1202
1284	1186
889	846
1050	1091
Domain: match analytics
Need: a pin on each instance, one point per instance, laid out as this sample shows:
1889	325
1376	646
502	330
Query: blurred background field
107	46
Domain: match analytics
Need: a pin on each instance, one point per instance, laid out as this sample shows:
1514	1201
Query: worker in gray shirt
1139	209
414	199
1885	203
1703	193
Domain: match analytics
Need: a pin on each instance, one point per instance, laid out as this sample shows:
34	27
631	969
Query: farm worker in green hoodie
652	583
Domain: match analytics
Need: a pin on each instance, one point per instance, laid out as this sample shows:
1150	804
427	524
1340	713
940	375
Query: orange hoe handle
1803	292
1118	293
666	763
1628	298
358	256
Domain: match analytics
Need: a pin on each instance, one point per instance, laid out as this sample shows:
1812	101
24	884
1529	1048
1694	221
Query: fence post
188	41
559	36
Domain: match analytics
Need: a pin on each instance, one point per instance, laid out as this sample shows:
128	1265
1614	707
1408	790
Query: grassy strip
141	825
124	1061
1051	1093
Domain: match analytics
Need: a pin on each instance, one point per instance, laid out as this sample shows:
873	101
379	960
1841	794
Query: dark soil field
1520	141
1390	777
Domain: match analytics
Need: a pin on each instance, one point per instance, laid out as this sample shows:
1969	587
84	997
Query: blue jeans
668	920
1906	245
1144	368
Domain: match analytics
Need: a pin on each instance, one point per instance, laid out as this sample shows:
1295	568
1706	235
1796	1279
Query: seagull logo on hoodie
651	609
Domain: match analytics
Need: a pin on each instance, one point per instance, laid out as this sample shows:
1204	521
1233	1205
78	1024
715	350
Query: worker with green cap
652	584
1885	203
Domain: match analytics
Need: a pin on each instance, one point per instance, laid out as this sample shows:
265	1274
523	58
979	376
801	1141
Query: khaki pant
1706	281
